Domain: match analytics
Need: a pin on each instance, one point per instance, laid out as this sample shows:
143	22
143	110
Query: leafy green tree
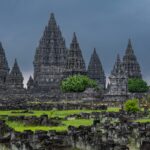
132	105
137	86
77	83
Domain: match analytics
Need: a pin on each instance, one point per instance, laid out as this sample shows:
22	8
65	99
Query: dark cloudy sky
103	24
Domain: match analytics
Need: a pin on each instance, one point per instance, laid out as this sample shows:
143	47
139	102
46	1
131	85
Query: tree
77	83
137	86
132	105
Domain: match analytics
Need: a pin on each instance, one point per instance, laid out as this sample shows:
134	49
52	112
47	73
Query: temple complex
54	61
122	71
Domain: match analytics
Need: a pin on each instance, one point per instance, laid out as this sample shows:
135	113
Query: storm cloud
103	24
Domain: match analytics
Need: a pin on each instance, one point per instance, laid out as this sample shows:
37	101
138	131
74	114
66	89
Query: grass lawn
113	109
20	127
146	120
51	113
78	122
54	113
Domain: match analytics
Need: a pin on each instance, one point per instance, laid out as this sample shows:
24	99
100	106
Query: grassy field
146	120
53	113
20	127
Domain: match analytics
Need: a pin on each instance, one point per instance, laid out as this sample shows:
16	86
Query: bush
77	83
137	86
132	105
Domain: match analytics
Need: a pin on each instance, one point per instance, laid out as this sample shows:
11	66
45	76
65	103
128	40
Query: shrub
137	86
77	83
132	105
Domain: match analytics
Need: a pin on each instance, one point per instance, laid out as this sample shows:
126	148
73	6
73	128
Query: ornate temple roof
118	67
51	49
75	61
15	77
15	72
50	57
130	62
3	60
95	69
30	81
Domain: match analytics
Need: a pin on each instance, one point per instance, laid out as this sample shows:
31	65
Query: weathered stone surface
122	134
130	63
30	84
95	70
4	69
53	62
50	58
118	88
75	62
14	80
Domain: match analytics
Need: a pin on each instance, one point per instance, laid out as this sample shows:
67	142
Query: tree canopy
137	86
77	83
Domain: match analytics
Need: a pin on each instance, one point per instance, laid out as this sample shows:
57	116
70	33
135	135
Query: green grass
53	113
146	120
20	127
113	109
78	122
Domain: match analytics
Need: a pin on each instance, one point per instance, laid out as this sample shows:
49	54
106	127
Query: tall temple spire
129	44
15	68
15	78
130	62
30	83
129	49
75	61
50	57
95	70
3	62
74	40
118	67
1	47
52	22
4	69
74	44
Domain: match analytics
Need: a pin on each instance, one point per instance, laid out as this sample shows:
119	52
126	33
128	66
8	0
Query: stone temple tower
118	81
75	62
95	70
30	83
130	63
50	58
15	78
4	69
